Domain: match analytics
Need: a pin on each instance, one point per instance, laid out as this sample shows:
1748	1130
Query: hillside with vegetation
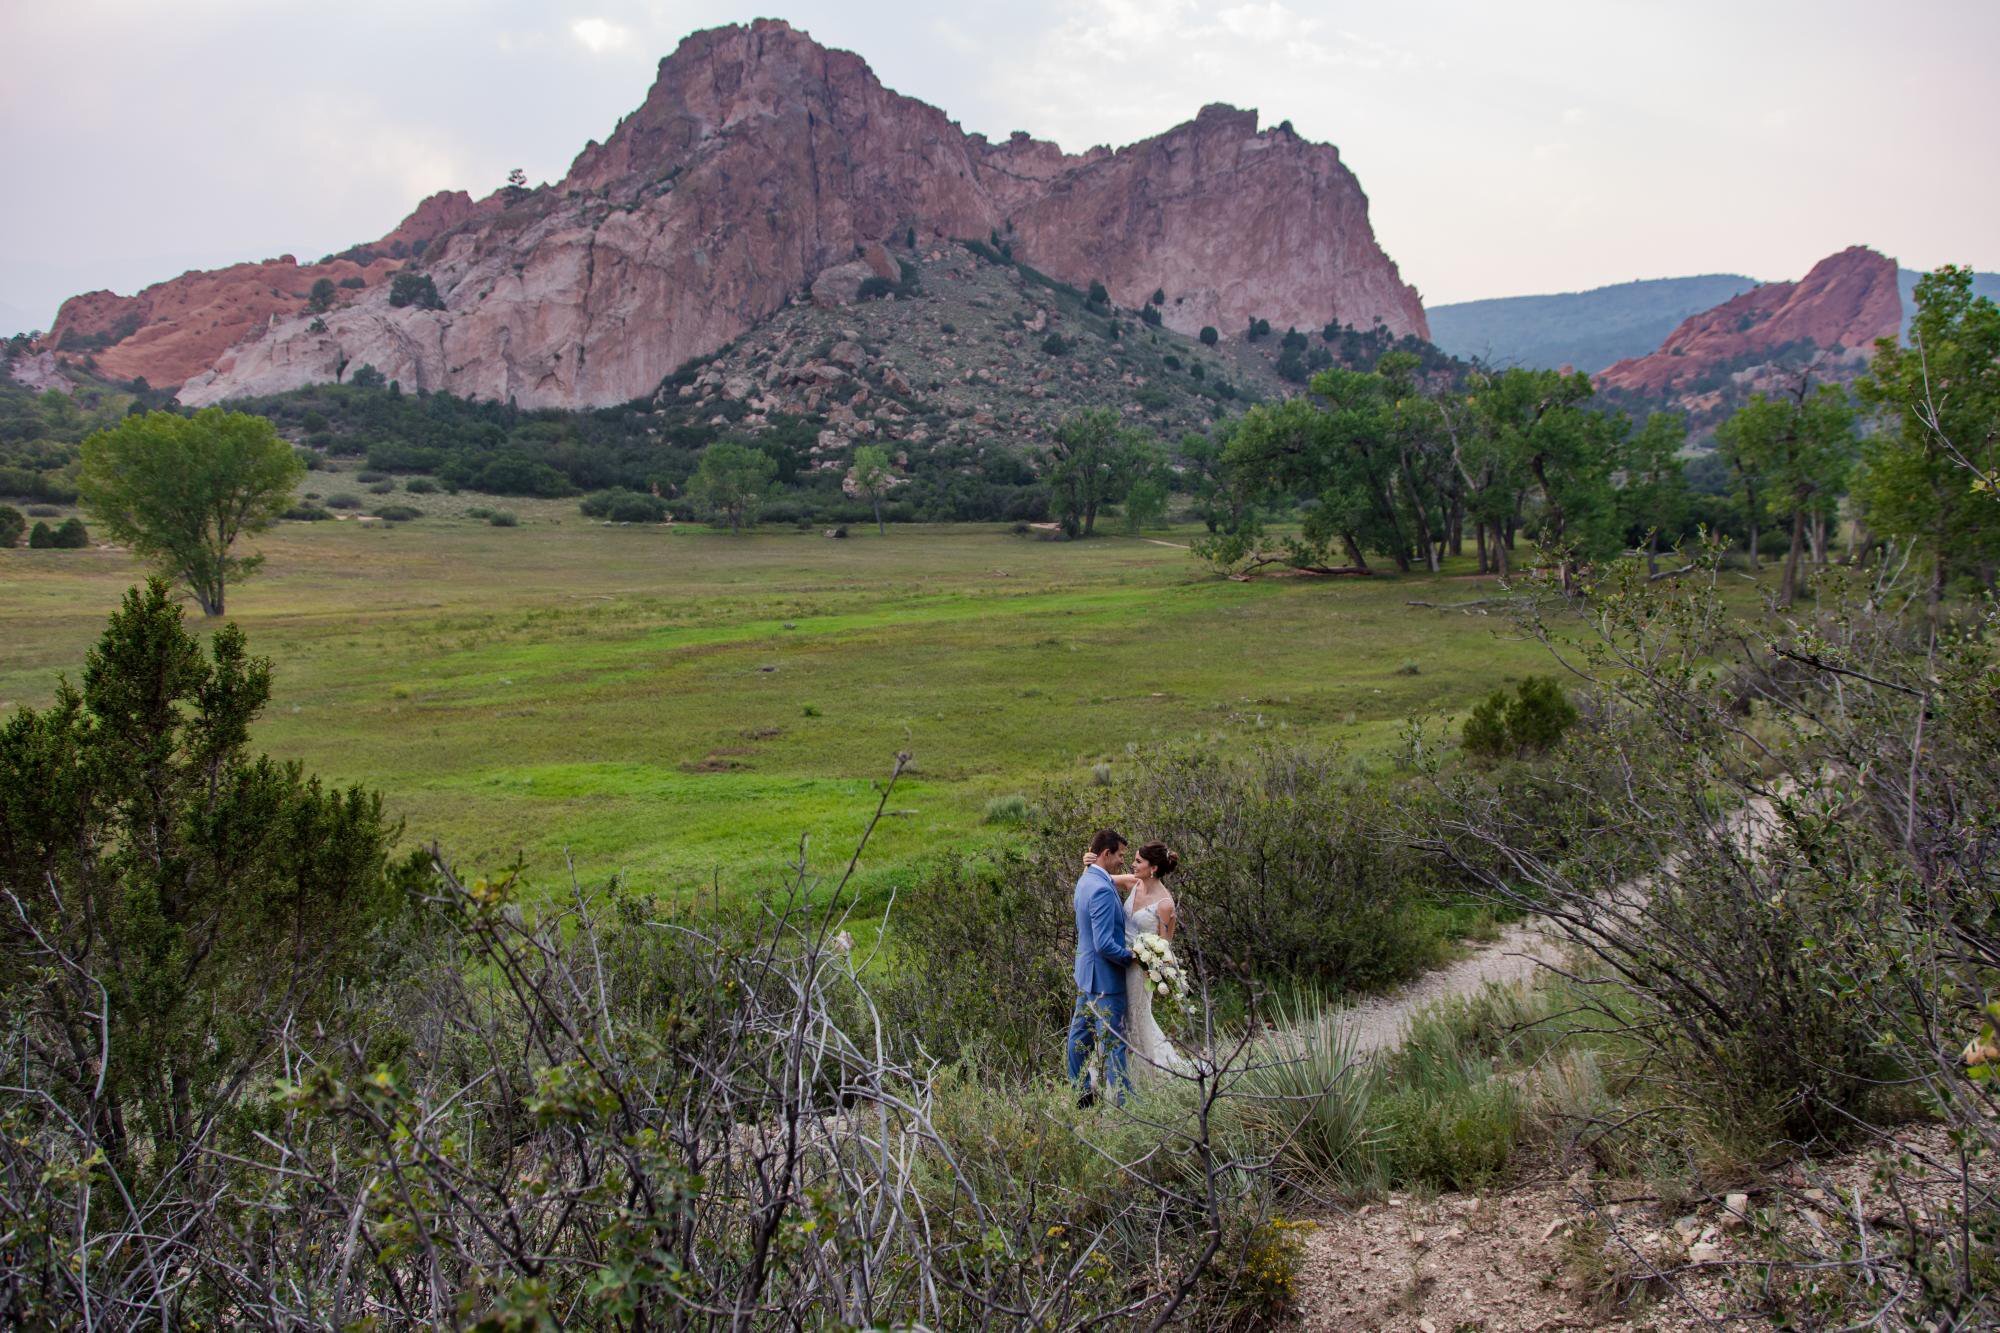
1586	331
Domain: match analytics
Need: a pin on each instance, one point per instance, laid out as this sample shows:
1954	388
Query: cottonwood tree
871	478
1931	471
1092	464
1654	498
180	490
1791	456
731	482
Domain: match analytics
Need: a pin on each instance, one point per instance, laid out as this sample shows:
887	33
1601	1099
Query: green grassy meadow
681	706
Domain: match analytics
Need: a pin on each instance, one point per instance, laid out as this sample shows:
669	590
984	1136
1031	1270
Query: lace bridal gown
1150	1053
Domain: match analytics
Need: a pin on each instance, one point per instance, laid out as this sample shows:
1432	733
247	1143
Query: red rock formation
183	326
761	159
1846	303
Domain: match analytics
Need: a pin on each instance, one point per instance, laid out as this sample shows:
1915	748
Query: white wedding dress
1148	1052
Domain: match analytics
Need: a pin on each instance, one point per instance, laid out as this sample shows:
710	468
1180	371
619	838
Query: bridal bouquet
1164	972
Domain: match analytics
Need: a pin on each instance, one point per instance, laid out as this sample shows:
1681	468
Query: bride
1149	909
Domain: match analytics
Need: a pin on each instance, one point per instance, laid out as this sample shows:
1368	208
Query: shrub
398	513
343	501
44	511
41	537
1150	315
367	377
12	525
306	513
1283	874
1259	328
421	486
1455	1134
417	289
1209	337
354	284
999	939
368	475
1159	296
1531	722
1098	295
1054	344
625	507
503	518
637	508
382	488
1012	809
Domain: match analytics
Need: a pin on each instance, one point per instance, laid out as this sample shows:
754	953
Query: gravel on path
1378	1023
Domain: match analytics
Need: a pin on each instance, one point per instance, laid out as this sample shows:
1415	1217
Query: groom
1101	956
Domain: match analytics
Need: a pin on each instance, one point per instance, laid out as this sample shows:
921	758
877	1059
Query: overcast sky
1532	146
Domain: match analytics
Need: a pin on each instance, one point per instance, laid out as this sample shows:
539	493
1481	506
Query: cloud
601	36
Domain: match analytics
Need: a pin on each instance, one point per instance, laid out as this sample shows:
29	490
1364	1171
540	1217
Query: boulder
841	284
879	263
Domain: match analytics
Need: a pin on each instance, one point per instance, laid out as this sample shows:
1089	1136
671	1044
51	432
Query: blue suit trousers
1099	1024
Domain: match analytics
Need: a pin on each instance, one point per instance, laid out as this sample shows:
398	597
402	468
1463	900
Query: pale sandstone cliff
181	327
759	160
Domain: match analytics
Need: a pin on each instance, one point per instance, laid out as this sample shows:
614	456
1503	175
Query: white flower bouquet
1164	972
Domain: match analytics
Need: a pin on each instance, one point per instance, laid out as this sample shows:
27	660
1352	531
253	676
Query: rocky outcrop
760	161
182	327
39	371
1842	306
1229	224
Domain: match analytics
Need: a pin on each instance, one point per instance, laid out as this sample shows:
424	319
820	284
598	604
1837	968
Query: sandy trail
1378	1022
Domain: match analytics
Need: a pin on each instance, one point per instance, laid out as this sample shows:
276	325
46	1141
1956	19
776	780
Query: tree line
1399	465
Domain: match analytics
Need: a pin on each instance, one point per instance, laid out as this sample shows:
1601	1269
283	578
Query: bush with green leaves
171	893
70	535
503	518
12	525
1531	721
417	289
625	507
398	513
1209	337
306	513
41	537
1055	344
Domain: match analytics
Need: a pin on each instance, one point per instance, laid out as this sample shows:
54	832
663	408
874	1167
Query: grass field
682	706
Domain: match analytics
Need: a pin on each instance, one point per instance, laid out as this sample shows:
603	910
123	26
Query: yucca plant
1309	1098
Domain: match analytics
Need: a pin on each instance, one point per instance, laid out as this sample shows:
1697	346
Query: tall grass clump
1312	1099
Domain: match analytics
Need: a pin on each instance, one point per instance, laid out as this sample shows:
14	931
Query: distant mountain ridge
1588	330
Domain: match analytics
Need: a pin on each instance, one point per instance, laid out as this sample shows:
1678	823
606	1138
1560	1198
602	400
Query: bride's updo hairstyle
1158	857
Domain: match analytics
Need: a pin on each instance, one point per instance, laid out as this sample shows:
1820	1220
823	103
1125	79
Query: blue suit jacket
1101	954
